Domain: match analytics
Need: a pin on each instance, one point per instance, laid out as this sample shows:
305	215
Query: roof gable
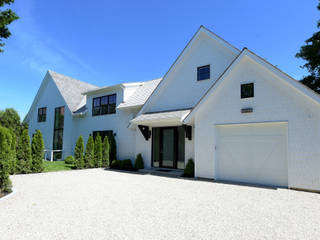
202	30
286	79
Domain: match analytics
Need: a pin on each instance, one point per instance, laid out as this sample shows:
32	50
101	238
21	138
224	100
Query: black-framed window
102	134
104	105
203	73
58	131
42	114
247	90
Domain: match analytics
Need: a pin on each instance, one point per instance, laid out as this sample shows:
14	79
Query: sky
108	42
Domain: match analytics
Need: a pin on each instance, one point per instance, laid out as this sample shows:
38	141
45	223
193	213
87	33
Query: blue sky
108	42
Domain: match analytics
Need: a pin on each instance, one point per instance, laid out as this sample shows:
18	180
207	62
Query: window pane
104	100
104	109
112	98
204	72
155	147
247	90
96	102
96	111
181	147
112	108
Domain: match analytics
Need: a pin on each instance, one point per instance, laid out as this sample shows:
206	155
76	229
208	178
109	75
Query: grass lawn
56	166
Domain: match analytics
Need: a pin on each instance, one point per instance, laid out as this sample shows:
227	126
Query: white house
239	117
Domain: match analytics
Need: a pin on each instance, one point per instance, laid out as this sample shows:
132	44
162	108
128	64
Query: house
239	117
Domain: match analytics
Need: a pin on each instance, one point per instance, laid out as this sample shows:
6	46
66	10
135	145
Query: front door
168	147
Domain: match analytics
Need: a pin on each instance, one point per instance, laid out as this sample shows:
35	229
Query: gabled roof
139	97
296	85
71	90
201	29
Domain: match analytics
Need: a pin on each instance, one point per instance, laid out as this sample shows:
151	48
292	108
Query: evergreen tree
13	154
310	53
5	151
24	159
98	151
105	152
89	155
78	153
113	148
37	152
9	118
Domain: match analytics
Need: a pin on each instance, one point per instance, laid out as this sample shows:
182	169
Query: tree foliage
78	153
113	148
89	155
7	16
106	152
5	151
24	159
37	152
9	118
310	52
98	151
139	162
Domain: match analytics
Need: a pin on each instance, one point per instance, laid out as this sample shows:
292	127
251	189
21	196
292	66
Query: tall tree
105	152
310	52
89	155
5	151
37	152
7	16
9	118
98	151
24	159
78	153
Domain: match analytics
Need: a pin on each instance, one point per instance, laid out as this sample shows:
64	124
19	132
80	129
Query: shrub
98	152
37	152
24	158
9	118
113	148
78	153
13	155
89	155
115	164
126	165
139	162
105	152
69	160
5	151
189	169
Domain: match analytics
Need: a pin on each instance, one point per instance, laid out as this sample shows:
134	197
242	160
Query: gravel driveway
100	204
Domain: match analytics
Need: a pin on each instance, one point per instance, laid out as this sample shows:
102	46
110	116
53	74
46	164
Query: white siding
275	101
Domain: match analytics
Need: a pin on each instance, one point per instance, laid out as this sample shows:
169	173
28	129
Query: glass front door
168	147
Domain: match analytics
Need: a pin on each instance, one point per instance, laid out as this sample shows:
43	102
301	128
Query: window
203	73
102	134
58	132
247	90
42	114
104	105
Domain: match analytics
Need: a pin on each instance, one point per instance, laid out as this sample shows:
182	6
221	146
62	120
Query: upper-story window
42	114
203	73
104	105
247	90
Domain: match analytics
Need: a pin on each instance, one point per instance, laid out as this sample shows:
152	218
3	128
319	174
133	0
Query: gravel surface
100	204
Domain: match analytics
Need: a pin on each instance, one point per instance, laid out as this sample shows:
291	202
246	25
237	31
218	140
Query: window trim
42	117
105	105
244	84
198	73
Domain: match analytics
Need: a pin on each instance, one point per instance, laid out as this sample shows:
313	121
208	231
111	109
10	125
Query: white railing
48	152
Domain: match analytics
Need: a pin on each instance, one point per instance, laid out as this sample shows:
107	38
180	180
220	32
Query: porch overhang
164	118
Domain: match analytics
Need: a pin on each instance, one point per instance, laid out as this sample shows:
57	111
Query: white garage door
252	153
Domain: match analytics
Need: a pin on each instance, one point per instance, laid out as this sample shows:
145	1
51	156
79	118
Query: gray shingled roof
140	96
165	115
71	90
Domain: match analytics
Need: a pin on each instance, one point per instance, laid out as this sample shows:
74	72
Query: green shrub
189	169
139	162
115	164
98	151
105	152
89	155
78	153
113	148
24	158
69	160
37	152
126	165
13	155
5	151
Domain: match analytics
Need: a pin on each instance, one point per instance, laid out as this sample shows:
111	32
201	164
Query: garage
252	153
